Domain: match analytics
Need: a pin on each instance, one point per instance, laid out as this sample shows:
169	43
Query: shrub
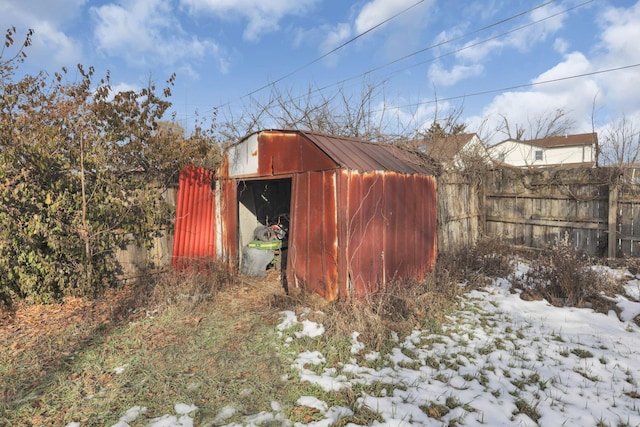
564	277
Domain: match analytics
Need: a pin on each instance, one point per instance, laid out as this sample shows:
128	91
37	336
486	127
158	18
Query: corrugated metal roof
366	156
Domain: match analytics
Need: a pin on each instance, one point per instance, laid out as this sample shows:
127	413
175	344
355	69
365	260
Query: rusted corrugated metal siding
360	216
389	228
228	222
195	217
313	240
284	153
271	153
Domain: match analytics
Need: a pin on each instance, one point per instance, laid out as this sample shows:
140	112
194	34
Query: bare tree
620	144
555	123
363	113
338	113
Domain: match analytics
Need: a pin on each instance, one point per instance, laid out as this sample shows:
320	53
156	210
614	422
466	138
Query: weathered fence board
459	211
595	210
135	259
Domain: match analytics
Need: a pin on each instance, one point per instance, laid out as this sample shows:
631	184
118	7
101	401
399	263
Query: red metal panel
313	240
366	232
282	152
229	221
390	228
195	215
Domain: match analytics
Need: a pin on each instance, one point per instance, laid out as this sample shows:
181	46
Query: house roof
447	148
368	156
560	141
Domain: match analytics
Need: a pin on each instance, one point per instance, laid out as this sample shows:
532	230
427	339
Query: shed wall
312	261
387	226
271	153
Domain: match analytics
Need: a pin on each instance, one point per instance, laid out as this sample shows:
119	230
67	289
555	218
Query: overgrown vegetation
205	337
200	336
565	277
82	172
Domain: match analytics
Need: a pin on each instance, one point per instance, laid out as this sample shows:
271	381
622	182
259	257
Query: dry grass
206	337
474	266
565	277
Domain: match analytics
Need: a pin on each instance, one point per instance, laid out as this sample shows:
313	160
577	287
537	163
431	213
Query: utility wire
431	47
372	70
363	74
402	58
504	89
333	50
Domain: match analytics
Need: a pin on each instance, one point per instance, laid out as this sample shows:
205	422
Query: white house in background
456	150
579	149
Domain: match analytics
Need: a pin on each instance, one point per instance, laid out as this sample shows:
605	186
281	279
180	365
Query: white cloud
441	77
262	16
50	44
523	39
575	63
614	93
560	45
146	32
620	35
574	96
336	36
53	11
400	34
376	11
618	47
477	50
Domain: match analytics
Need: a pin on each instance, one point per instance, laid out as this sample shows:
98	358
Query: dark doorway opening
264	208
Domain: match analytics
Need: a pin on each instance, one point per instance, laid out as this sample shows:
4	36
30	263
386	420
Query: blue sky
223	50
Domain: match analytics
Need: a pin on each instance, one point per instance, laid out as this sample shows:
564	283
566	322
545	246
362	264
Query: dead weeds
204	336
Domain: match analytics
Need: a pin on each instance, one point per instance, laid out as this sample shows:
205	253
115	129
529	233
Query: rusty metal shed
361	214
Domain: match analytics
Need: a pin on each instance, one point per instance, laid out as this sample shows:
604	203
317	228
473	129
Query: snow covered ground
501	361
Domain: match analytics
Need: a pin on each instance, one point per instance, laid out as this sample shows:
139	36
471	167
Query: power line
504	89
363	74
333	50
431	47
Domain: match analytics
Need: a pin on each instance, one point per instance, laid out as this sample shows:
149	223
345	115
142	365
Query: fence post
612	245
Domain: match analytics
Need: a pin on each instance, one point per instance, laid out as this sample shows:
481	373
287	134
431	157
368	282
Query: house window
538	155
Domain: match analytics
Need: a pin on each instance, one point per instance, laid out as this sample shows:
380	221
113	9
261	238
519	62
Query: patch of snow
120	369
313	402
183	408
632	289
130	415
310	329
224	414
289	320
356	346
500	361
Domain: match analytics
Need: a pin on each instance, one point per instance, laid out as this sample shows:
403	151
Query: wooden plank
612	220
587	225
544	196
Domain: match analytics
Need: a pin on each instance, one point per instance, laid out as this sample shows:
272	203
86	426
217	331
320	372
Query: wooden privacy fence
596	210
134	259
460	213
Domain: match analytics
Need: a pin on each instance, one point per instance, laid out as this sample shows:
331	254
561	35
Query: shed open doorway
264	207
